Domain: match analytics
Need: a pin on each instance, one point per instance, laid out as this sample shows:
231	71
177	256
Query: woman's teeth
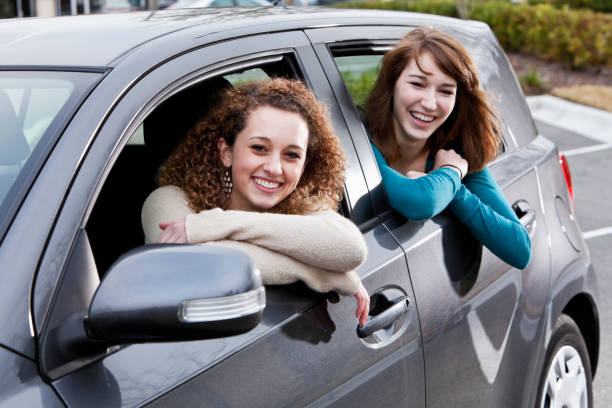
422	117
265	183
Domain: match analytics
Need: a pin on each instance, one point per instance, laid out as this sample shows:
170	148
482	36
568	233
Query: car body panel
20	384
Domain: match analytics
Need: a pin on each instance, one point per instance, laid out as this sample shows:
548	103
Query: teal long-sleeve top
477	202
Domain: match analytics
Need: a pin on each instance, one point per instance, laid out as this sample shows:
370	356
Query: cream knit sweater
322	249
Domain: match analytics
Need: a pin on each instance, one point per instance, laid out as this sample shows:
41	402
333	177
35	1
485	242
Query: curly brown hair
195	165
472	127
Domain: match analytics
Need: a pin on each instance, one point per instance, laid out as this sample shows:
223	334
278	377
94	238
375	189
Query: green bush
360	84
439	7
596	5
578	38
532	83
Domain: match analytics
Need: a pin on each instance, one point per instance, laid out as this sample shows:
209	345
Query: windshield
34	107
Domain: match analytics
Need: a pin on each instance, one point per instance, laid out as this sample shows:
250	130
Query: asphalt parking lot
585	137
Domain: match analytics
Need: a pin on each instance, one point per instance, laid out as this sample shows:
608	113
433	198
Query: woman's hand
451	158
173	232
363	304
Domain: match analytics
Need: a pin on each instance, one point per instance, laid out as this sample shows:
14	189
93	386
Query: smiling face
267	158
422	100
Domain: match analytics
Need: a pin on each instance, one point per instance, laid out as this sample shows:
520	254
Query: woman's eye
417	84
293	155
258	148
447	92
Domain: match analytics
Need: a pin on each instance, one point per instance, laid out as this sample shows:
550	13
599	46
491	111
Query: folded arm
279	269
481	206
420	198
323	239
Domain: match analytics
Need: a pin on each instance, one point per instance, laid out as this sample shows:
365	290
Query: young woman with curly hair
433	133
263	172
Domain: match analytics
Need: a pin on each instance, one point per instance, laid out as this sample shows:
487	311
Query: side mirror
176	292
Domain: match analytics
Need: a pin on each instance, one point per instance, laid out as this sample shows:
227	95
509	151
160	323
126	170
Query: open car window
359	65
133	175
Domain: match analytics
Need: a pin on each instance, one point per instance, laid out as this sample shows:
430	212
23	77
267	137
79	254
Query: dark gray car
89	108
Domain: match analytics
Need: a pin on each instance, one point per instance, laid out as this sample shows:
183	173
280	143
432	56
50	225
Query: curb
589	122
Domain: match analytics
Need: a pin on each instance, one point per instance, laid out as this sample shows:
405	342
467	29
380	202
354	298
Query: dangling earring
227	183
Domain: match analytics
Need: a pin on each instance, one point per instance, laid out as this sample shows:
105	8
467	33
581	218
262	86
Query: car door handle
397	308
526	215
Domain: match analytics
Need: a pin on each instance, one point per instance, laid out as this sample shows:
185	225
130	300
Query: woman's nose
429	101
273	165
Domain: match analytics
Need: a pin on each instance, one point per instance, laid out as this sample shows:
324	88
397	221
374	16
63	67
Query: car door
481	319
306	350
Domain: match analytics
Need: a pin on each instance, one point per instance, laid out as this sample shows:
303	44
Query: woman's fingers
450	157
363	305
173	232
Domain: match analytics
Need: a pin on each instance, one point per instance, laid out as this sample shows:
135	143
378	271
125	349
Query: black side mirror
151	293
176	292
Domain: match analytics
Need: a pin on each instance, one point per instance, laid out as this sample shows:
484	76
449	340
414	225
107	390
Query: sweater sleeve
324	239
167	203
279	269
481	206
421	198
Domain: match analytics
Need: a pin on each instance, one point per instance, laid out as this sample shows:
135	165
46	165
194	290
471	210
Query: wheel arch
581	308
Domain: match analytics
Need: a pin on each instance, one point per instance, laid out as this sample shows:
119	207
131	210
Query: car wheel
566	379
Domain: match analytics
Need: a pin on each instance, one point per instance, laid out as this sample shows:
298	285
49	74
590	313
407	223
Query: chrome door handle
526	215
398	307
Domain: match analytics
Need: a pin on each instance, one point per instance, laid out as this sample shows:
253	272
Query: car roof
101	40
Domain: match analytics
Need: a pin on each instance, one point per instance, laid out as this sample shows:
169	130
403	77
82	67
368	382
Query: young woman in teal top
425	106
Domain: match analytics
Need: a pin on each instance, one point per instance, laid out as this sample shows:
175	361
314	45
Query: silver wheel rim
566	383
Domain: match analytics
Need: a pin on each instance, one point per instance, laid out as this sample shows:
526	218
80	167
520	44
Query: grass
597	96
532	83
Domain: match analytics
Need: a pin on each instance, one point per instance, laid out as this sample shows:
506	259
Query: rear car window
359	65
359	73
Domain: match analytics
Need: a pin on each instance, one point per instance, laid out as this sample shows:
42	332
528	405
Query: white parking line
587	149
597	233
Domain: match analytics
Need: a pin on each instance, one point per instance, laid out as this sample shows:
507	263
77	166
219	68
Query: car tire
566	380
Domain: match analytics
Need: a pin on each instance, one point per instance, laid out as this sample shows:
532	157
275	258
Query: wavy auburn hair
472	127
195	165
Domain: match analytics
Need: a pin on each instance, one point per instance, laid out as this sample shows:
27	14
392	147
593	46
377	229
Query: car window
32	104
221	3
359	66
359	73
133	175
249	3
246	76
27	108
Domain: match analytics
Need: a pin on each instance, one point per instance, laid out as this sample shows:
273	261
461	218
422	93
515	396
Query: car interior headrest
15	147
